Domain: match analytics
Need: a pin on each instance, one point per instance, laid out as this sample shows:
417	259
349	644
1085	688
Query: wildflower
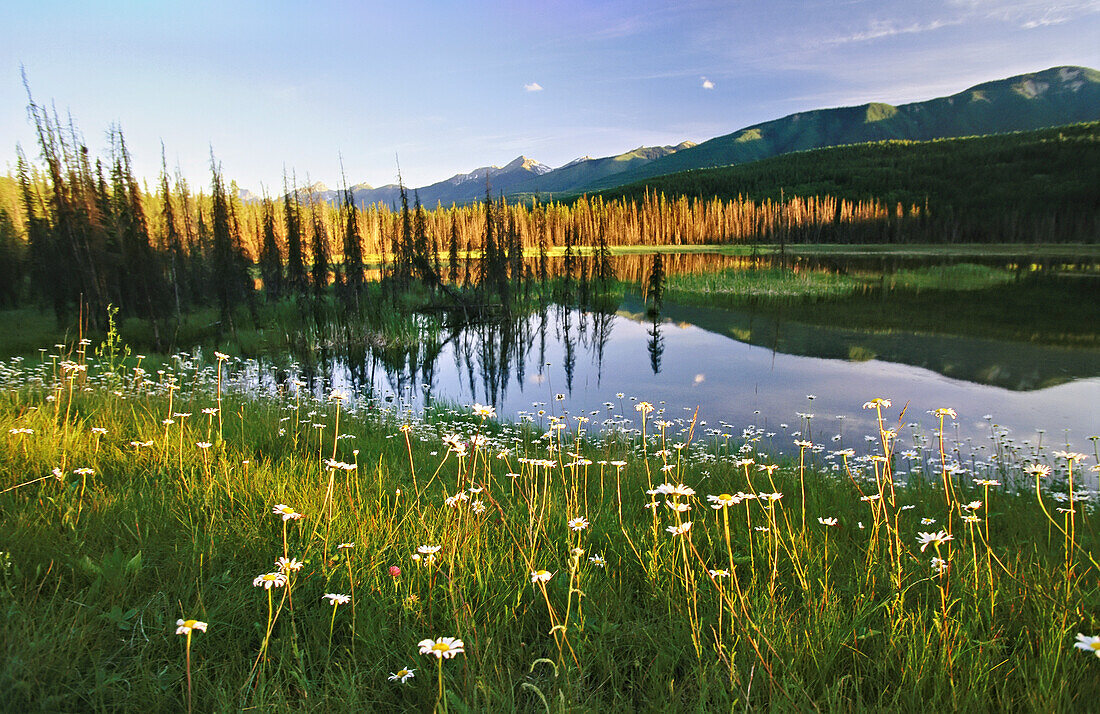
428	549
540	576
184	627
723	500
987	482
345	546
1088	644
286	512
335	599
203	444
95	430
948	412
221	356
597	560
720	573
970	518
927	521
578	524
643	407
288	565
678	507
84	472
483	411
269	580
939	565
395	571
680	529
972	506
872	497
933	539
402	675
1070	456
877	403
442	647
827	521
1037	470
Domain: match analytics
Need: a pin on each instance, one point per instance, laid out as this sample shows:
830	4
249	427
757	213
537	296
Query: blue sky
450	86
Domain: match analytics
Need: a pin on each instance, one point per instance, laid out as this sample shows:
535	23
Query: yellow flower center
1095	645
189	624
441	647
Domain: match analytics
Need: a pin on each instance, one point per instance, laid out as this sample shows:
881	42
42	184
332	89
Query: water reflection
736	366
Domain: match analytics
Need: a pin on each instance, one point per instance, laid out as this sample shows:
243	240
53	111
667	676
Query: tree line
78	233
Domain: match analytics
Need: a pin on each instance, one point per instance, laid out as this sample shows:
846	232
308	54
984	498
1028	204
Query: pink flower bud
395	571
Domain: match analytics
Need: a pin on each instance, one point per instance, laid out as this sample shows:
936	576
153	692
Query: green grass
98	567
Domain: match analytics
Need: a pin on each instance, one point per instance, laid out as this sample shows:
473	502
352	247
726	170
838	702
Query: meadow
177	539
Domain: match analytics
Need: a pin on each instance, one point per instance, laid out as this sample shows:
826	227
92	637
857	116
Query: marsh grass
97	568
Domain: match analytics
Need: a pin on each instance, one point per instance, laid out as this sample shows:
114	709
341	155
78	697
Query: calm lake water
741	368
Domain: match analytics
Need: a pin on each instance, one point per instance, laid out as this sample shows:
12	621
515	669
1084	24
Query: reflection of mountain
1018	366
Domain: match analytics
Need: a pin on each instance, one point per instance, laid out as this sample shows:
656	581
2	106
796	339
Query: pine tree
295	260
271	257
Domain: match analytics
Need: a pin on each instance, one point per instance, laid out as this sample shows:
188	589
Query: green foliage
1030	187
98	566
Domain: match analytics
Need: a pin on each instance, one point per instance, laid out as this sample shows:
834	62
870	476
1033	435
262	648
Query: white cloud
533	87
707	84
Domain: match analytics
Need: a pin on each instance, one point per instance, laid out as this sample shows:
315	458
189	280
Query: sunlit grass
618	561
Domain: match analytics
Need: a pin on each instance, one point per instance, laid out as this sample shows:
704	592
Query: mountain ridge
1055	96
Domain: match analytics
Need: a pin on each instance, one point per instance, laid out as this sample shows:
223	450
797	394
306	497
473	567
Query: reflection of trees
488	357
656	344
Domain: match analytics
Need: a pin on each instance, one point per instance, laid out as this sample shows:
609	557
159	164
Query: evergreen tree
271	257
452	252
353	248
11	262
320	265
295	260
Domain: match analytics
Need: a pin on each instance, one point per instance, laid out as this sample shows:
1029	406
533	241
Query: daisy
723	500
288	513
483	411
442	647
578	524
288	565
827	521
598	561
540	576
402	675
335	599
680	529
269	580
184	627
1088	644
933	539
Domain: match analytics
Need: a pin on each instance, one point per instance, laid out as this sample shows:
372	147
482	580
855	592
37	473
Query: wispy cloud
879	29
707	84
533	87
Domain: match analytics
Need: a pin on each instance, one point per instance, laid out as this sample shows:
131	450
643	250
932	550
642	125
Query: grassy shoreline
98	565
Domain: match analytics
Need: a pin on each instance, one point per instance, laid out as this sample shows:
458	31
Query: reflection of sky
744	384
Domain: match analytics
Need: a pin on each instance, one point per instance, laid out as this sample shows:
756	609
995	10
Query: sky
325	89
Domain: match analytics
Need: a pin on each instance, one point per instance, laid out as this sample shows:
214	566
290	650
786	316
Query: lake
739	367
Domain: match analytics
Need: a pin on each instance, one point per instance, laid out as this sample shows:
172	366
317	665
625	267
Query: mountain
521	176
1057	96
460	188
586	171
1060	95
